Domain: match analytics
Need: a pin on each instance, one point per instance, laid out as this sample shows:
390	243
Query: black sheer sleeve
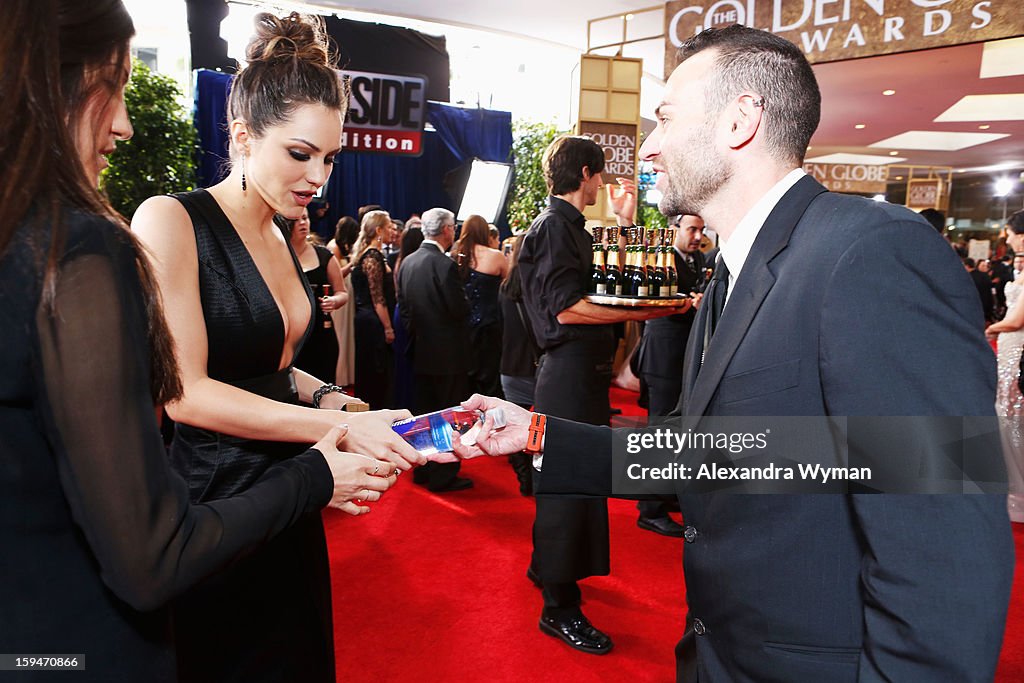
373	266
149	541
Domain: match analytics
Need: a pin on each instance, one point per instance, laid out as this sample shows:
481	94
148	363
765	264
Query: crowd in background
361	341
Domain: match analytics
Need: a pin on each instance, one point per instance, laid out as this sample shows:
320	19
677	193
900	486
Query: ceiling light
859	126
937	141
1007	107
855	159
629	17
1002	58
888	92
984	126
1003	187
994	168
894	153
899	177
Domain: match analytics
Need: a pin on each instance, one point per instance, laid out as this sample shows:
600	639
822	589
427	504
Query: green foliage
649	217
160	157
529	191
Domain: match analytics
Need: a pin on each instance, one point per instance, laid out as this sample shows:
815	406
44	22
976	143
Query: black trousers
570	535
662	395
437	392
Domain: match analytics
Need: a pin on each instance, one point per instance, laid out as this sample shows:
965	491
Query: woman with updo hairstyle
239	310
98	532
482	269
374	333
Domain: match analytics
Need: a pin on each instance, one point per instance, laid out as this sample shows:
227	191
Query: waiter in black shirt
663	350
570	536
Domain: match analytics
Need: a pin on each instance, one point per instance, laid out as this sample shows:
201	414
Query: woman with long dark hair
345	235
98	532
319	355
482	269
240	310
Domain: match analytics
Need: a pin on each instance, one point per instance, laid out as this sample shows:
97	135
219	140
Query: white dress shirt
737	248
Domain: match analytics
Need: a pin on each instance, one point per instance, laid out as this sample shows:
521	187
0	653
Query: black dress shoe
666	526
577	633
456	484
522	464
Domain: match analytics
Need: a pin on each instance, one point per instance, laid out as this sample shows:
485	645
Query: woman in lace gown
98	532
1009	400
239	310
374	333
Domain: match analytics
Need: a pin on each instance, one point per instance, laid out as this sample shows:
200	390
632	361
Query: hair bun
295	36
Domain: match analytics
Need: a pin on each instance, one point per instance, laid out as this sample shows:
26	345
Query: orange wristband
535	438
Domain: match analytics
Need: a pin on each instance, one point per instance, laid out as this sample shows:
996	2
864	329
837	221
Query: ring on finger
376	468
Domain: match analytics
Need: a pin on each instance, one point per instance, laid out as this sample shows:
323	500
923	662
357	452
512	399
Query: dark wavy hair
1016	222
346	232
564	159
57	56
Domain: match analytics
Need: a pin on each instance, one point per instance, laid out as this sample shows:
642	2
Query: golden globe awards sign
831	30
924	193
850	178
619	144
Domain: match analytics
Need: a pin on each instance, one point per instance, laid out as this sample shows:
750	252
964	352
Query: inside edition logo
386	113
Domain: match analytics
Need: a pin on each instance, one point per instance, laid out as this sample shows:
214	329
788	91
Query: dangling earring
244	185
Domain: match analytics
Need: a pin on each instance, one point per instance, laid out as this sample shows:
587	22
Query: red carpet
432	588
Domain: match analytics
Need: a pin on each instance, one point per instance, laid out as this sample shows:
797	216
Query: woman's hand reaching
358	479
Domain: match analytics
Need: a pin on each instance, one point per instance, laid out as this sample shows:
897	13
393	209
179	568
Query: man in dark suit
434	309
837	307
662	352
982	283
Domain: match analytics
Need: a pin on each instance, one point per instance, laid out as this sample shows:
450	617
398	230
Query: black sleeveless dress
485	326
268	618
319	355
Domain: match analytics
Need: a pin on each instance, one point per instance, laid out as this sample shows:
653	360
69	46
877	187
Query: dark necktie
715	297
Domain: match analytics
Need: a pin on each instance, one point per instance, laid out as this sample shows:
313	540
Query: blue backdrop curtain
402	185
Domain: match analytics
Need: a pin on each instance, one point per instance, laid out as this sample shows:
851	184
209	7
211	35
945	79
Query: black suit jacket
983	283
433	306
844	307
